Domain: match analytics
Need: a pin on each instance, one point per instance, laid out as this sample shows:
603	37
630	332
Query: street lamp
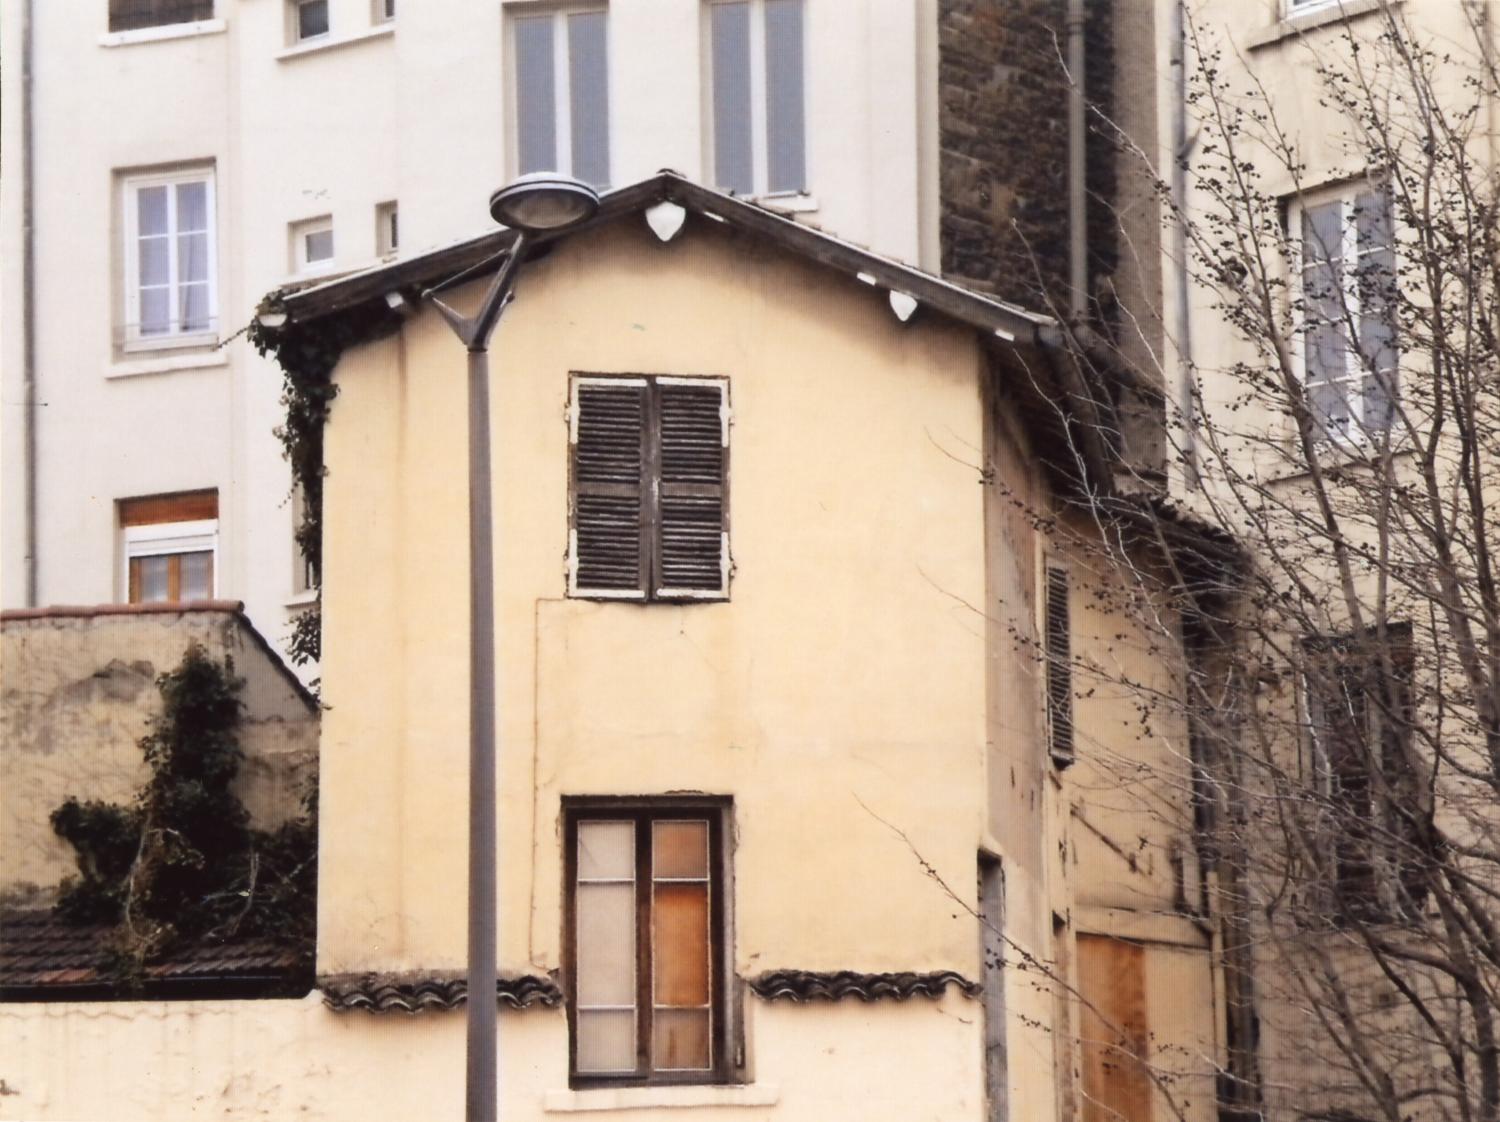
536	204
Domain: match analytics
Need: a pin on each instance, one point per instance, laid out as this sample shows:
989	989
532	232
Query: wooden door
1113	1031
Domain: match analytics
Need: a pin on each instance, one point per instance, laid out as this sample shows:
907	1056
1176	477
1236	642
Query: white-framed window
307	19
387	229
168	547
1345	290
312	245
383	11
133	15
757	87
304	580
561	92
171	265
1298	7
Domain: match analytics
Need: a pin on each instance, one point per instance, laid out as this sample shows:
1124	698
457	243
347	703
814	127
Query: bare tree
1327	583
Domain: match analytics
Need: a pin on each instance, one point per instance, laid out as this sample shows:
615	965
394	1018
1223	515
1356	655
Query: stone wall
78	691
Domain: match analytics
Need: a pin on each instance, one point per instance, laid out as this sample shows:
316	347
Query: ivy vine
181	862
307	354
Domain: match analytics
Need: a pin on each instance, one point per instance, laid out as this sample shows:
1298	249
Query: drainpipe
1181	320
1077	156
28	305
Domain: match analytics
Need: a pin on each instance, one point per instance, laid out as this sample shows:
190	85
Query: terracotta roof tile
416	993
809	985
38	951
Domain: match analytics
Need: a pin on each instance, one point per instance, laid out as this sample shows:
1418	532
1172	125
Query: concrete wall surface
79	690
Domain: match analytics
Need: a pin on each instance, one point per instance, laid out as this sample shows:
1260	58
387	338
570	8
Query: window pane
1372	220
680	1040
784	96
1329	403
151	578
588	92
156	311
197	576
312	18
1379	400
606	850
1322	233
318	246
1325	352
606	944
192	258
192	207
536	97
192	310
730	33
680	944
153	258
606	1040
679	849
151	210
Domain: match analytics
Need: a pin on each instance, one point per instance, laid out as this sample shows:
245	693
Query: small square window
387	230
310	19
169	545
385	11
648	942
312	245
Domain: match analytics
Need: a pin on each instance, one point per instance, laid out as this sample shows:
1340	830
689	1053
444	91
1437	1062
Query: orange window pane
680	944
679	849
681	1041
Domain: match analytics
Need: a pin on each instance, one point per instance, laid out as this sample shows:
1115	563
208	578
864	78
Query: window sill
318	46
164	33
168	362
787	204
302	599
660	1098
1291	26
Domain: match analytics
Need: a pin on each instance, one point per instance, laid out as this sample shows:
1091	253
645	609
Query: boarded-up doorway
1113	1030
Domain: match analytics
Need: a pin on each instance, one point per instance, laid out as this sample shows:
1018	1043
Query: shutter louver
608	461
693	450
1059	651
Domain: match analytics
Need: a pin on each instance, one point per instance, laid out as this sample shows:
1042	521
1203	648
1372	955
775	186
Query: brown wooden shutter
1059	640
606	550
181	506
692	554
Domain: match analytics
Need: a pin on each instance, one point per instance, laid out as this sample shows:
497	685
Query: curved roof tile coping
809	985
404	993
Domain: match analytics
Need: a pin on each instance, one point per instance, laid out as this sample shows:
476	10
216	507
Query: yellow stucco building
787	823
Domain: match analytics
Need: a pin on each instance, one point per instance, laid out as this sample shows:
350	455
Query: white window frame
1357	435
382	11
130	186
294	27
159	538
299	231
387	229
760	158
1291	8
562	100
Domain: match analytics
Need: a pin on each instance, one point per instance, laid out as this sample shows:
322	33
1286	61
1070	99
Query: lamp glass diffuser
544	202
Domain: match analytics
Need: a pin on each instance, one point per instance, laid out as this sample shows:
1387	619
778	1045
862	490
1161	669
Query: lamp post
540	203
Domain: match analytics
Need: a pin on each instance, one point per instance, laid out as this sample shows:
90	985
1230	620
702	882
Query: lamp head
544	202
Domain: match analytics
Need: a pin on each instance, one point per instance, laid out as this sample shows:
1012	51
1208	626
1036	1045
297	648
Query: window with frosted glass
169	258
561	70
757	73
646	946
1348	277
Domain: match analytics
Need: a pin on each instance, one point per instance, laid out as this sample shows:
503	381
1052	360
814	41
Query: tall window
649	488
131	15
562	94
647	943
756	68
170	258
1348	276
1358	698
169	544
